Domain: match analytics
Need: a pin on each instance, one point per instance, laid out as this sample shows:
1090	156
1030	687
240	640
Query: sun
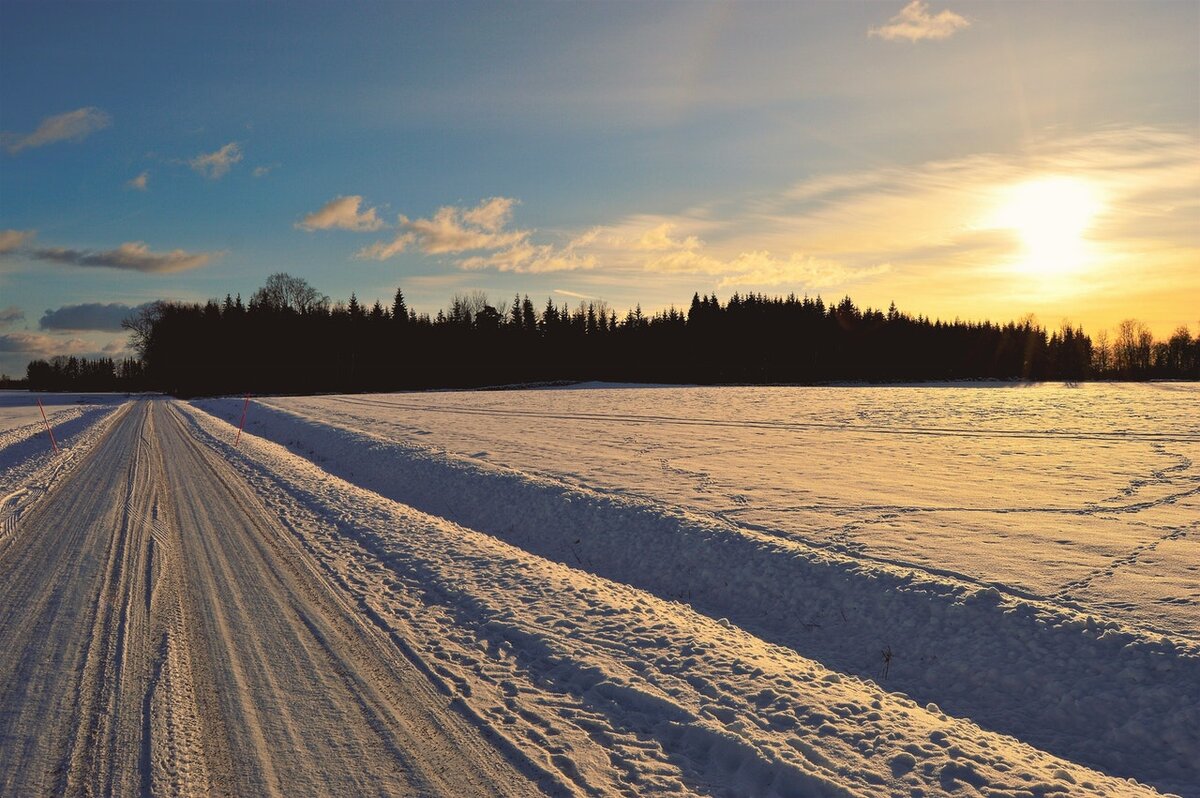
1051	215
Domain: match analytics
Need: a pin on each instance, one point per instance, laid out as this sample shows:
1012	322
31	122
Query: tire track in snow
313	699
78	651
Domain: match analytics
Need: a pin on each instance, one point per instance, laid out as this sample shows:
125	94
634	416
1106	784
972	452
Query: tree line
101	374
289	338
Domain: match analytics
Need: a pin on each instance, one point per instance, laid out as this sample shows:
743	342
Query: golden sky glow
963	158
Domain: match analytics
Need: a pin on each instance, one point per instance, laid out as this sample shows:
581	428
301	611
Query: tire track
314	696
92	665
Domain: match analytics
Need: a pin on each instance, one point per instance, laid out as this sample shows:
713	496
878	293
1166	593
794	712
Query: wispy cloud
382	250
758	269
39	345
116	347
491	214
72	126
262	171
636	244
453	229
140	183
574	294
130	256
914	23
12	240
460	230
343	214
88	316
214	165
11	315
651	244
524	257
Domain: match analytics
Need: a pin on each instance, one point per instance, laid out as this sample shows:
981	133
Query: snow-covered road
163	634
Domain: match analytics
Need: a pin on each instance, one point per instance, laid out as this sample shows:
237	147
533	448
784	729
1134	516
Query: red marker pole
245	406
46	421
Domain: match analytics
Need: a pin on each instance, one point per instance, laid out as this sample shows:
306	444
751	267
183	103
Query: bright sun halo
1051	216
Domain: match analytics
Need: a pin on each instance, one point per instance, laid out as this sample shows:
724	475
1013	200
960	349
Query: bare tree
1131	349
141	326
475	301
1102	353
283	291
466	307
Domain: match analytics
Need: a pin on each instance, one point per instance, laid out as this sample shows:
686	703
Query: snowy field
1026	555
19	410
780	592
1087	497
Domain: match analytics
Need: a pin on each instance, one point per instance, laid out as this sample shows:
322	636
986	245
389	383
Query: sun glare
1051	216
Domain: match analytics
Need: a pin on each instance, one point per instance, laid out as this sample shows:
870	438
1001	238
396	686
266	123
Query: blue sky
627	152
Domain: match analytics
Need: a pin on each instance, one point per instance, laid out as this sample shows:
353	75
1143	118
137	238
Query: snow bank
1077	686
29	466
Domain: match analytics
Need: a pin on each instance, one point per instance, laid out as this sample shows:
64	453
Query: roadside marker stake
45	421
245	405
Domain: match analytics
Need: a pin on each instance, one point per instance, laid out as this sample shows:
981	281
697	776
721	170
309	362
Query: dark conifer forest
289	338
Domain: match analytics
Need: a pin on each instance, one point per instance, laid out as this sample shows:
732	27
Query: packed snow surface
162	634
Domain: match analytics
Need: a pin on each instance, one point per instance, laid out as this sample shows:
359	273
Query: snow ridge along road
31	467
164	635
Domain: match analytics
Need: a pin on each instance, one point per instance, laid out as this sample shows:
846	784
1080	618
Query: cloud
261	171
72	126
491	214
38	345
139	182
658	238
88	316
915	23
12	240
527	258
453	229
10	315
574	294
119	346
132	256
459	230
342	214
650	244
381	250
761	269
214	165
